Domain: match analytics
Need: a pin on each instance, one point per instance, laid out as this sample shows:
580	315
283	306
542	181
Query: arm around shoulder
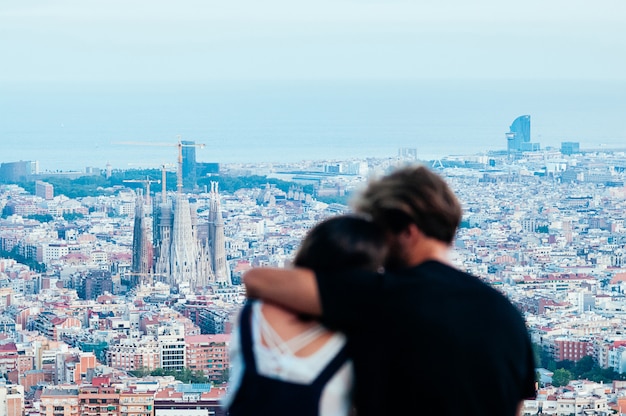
294	289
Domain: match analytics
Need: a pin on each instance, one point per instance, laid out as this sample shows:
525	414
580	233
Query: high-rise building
519	132
518	137
189	164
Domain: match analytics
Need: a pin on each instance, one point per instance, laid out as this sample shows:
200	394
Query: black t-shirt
430	337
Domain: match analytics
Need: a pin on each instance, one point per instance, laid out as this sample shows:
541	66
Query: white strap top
291	346
277	359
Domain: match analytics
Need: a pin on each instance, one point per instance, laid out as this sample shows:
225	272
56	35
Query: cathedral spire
216	236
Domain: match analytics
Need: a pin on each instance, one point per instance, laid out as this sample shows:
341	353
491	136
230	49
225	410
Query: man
423	334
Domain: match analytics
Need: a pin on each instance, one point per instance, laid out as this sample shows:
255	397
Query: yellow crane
179	145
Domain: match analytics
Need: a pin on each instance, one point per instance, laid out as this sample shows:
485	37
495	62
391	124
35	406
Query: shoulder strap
245	332
292	345
333	366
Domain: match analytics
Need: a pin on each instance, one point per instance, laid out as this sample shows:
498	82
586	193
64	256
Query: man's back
431	337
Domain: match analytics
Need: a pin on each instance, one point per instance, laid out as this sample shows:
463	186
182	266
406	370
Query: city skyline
546	229
331	92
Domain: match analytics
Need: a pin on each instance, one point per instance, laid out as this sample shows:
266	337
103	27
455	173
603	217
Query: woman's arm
294	289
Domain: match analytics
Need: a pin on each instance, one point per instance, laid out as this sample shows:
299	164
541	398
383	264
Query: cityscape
154	152
122	301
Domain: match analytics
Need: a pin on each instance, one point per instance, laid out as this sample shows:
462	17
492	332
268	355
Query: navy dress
265	396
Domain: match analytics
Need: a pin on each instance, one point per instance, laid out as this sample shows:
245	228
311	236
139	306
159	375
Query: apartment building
189	400
172	350
99	399
134	354
59	401
209	354
134	401
11	400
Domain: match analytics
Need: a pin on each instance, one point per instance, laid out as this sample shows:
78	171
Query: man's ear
413	233
409	236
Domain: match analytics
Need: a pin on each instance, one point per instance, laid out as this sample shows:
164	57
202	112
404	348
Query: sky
43	41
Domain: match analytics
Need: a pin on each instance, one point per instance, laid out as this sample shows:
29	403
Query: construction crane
163	167
180	145
147	183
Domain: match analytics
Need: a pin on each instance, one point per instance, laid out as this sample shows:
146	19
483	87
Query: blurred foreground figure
423	334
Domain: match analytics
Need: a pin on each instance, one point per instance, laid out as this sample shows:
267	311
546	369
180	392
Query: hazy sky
204	40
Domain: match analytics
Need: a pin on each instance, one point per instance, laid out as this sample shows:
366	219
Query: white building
172	349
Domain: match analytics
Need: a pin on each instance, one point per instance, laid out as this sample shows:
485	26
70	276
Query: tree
198	377
40	217
224	377
566	364
233	183
15	255
561	377
584	365
607	375
140	372
6	211
543	358
185	375
71	216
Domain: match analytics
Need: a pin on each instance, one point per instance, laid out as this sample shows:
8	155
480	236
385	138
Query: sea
133	125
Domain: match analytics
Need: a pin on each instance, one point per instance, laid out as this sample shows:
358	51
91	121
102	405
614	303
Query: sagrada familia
179	254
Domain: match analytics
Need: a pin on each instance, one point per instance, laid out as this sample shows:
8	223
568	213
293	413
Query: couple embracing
374	319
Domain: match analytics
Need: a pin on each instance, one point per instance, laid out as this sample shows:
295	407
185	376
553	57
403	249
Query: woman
285	364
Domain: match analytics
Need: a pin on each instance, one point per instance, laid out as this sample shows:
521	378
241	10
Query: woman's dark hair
343	242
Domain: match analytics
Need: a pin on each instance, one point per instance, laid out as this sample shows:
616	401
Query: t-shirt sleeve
348	297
